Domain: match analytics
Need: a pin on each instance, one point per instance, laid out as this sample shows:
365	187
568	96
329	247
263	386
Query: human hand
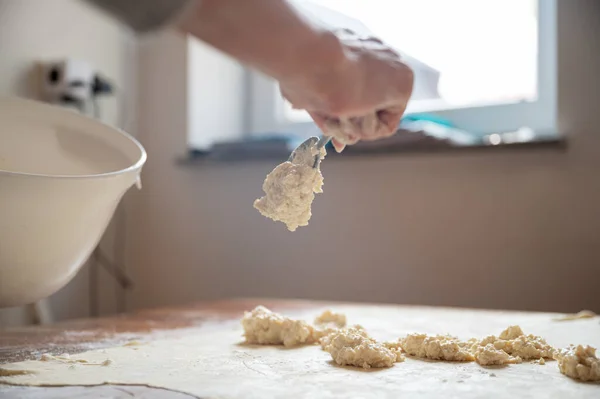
360	95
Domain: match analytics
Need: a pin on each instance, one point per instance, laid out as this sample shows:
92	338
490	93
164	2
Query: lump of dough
263	327
488	355
329	317
327	335
515	343
328	322
579	362
438	347
396	348
353	347
289	192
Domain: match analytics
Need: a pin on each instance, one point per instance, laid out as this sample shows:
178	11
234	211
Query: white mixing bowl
61	177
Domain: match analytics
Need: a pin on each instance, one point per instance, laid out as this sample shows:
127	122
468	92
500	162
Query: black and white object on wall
74	83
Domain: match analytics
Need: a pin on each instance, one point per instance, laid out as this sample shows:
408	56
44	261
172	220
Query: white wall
513	229
33	31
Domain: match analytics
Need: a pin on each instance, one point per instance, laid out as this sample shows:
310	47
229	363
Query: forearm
146	15
268	35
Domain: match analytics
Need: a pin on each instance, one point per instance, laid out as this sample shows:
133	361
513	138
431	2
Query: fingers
339	147
389	121
320	120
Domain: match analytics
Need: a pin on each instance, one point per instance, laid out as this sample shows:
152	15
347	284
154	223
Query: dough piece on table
584	314
438	347
289	192
579	362
353	347
325	336
329	317
488	355
328	322
515	343
263	327
396	348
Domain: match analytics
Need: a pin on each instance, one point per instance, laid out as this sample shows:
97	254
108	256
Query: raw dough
263	327
488	355
439	347
289	192
353	347
516	344
329	317
584	314
396	348
328	322
579	362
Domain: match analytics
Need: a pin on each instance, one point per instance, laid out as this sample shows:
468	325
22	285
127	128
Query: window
485	66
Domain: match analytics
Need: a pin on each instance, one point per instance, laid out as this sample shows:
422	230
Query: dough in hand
289	192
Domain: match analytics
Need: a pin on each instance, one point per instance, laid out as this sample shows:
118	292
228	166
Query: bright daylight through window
482	66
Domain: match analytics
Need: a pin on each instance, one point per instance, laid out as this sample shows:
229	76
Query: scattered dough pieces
290	190
438	347
584	314
510	347
579	362
263	327
353	347
515	343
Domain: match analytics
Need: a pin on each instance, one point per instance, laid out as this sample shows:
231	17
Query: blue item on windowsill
428	118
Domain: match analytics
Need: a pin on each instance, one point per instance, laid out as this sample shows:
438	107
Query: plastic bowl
62	176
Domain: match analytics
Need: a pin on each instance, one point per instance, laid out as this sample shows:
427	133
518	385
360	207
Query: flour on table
289	192
207	361
353	347
66	358
264	327
579	362
513	342
438	347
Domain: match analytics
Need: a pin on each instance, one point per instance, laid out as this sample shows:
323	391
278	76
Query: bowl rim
136	166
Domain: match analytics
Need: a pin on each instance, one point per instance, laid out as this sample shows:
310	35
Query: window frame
266	106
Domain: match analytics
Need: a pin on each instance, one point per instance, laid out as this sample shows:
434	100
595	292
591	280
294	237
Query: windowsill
554	143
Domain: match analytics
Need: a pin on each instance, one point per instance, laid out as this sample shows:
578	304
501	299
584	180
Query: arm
268	35
332	76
